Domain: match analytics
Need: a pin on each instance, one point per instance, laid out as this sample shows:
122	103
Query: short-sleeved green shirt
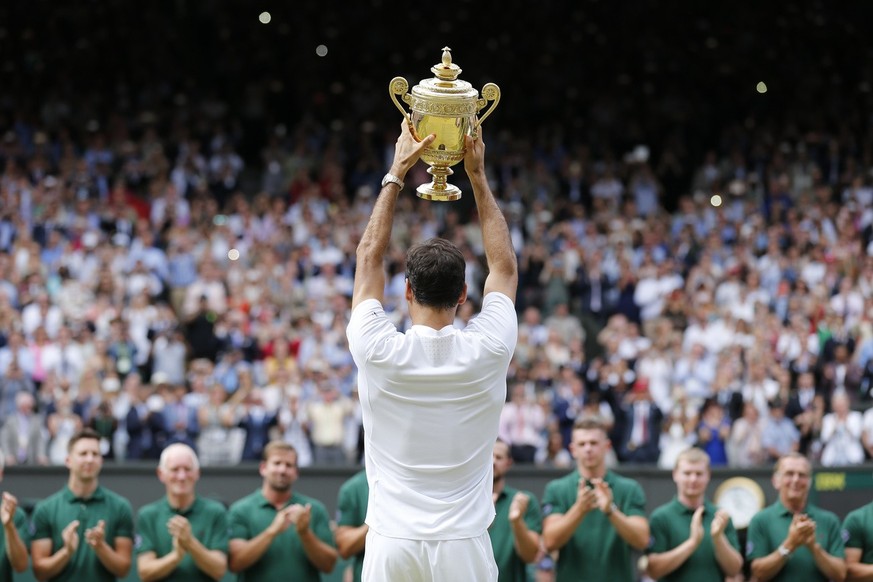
670	526
55	512
209	525
511	567
595	552
769	528
858	532
20	522
352	510
285	559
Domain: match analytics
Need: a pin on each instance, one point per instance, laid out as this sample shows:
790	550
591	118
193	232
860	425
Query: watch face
742	498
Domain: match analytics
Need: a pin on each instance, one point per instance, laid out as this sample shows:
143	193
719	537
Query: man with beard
277	533
515	531
84	531
182	536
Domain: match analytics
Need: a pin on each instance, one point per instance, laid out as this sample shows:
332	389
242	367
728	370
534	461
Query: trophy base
447	194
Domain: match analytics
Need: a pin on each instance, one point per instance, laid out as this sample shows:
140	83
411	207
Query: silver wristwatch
391	178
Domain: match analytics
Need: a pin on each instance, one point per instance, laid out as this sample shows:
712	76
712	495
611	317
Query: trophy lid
445	85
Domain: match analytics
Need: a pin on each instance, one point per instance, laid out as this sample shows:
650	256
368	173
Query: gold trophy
447	107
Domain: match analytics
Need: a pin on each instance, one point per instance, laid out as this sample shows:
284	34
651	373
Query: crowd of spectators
178	267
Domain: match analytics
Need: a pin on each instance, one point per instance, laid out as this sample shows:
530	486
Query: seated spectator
841	431
327	413
640	438
21	437
745	446
780	436
13	382
61	425
257	422
554	454
713	431
522	425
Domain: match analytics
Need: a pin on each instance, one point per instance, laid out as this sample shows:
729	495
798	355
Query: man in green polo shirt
594	517
182	536
12	534
792	539
351	531
858	533
276	533
692	539
515	531
84	531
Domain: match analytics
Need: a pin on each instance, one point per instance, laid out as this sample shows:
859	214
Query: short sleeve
835	544
757	544
635	504
40	525
659	540
219	533
497	319
239	525
349	512
124	527
853	532
145	534
368	326
553	500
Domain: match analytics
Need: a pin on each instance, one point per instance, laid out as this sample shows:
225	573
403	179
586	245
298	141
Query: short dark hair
85	433
435	270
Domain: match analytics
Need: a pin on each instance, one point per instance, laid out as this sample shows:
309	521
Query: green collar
70	497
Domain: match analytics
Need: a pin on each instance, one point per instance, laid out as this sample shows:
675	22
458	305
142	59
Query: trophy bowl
447	107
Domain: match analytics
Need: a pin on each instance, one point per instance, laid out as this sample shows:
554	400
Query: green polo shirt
595	552
209	525
670	526
511	567
54	513
285	559
20	522
352	510
769	528
858	532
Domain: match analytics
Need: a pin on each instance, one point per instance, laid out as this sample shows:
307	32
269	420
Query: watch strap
392	179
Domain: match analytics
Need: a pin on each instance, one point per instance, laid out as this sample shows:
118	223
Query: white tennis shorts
399	560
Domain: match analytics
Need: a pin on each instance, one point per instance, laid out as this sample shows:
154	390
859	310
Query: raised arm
499	253
370	270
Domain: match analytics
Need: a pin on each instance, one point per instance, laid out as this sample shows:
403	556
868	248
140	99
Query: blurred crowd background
689	189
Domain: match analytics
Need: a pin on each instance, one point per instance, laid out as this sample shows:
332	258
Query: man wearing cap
182	536
84	531
692	539
792	539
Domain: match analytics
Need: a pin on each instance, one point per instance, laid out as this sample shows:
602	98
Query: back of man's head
435	270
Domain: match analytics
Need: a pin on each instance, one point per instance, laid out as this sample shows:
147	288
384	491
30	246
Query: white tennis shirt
431	402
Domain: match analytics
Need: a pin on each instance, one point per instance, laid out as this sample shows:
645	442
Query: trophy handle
399	86
490	92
